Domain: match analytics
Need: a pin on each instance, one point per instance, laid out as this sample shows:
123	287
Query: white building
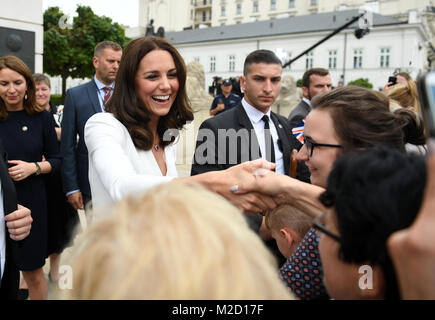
178	15
22	32
391	44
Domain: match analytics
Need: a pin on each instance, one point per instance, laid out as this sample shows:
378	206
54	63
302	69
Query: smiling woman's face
13	88
319	128
157	82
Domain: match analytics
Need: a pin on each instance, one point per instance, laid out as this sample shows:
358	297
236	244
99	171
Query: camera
393	80
426	90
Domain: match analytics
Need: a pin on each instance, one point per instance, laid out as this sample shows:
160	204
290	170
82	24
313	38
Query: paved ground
46	267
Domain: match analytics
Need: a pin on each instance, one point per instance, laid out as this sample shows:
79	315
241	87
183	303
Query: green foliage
299	83
361	83
56	99
68	52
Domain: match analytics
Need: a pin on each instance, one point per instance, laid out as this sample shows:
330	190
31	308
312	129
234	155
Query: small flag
298	131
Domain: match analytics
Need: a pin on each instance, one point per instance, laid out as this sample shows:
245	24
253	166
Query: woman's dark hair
375	192
128	108
362	119
29	103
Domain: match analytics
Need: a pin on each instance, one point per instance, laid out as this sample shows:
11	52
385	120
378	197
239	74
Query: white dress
116	167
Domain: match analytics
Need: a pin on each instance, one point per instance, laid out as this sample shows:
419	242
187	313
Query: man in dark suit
17	227
314	82
81	103
250	130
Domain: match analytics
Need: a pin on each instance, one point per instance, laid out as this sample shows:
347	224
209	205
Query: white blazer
116	167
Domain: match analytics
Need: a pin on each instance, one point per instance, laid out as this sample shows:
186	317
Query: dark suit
81	103
299	113
213	155
11	275
247	147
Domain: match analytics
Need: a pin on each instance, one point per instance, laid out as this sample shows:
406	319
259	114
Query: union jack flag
298	131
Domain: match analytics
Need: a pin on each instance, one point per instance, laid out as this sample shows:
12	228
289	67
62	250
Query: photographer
397	78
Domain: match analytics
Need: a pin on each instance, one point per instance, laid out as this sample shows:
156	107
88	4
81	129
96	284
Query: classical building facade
390	45
21	31
178	15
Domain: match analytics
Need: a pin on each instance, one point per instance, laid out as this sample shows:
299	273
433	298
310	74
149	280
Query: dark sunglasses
310	144
317	225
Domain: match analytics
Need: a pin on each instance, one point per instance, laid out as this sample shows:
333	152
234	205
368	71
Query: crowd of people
267	212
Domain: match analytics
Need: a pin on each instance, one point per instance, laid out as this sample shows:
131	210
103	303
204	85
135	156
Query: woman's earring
25	97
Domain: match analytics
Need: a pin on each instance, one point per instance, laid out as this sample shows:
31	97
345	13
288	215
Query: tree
361	83
299	83
68	50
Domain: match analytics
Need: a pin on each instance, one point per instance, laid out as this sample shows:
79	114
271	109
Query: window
332	59
222	11
212	64
314	2
255	6
385	57
232	63
272	4
309	61
239	8
196	59
357	58
291	4
204	16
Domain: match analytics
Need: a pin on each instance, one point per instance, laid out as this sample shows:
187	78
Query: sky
122	11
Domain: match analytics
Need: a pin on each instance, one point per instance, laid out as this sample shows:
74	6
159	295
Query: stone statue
289	96
150	31
200	101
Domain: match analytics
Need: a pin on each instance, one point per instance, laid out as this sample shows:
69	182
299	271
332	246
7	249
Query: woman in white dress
131	146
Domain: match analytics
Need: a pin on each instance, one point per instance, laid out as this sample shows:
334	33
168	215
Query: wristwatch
38	169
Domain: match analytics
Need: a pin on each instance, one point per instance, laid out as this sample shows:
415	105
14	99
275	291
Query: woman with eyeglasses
344	120
387	192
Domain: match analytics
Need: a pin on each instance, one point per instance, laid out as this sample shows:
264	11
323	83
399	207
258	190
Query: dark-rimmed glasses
318	225
310	144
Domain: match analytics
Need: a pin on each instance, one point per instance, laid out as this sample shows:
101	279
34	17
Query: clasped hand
251	201
19	223
21	169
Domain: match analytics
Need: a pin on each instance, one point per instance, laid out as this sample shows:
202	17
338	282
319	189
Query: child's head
288	226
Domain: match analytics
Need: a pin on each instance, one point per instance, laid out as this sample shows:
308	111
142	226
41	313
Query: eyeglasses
310	144
321	227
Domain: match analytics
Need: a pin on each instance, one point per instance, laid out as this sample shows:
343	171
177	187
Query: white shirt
101	93
307	102
116	167
2	233
255	116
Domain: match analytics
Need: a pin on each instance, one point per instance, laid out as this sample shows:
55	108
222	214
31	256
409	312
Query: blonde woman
163	245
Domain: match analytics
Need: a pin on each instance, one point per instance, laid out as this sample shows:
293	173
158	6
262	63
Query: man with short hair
250	130
81	103
226	100
314	82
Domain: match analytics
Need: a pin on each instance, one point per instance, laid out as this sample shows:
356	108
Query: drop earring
25	96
